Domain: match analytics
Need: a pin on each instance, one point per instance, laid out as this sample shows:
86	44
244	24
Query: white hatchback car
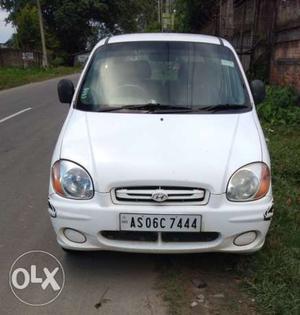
162	150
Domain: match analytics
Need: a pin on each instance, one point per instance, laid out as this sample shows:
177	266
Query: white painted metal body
124	150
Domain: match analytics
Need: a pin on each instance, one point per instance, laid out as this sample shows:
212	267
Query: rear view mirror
258	90
65	90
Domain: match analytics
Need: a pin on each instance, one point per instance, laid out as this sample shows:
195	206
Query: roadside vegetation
11	77
274	273
267	282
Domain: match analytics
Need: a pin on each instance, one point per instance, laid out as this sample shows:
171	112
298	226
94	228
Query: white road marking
15	114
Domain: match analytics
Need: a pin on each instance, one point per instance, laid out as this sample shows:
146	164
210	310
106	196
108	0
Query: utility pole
45	58
159	12
220	18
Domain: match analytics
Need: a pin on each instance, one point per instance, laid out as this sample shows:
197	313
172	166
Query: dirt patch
204	284
222	295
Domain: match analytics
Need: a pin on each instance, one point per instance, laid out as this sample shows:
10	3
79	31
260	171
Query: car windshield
150	75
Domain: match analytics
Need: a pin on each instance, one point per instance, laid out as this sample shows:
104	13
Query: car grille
166	237
164	194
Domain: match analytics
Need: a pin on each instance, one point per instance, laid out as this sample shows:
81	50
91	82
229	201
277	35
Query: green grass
11	77
274	272
272	275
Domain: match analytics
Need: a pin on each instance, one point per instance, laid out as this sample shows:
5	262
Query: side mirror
258	90
65	90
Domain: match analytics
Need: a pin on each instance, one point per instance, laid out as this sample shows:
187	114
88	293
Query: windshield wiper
150	107
165	109
221	107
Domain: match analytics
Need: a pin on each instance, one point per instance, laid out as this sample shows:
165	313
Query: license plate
160	222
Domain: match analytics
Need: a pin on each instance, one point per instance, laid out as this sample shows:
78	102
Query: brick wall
285	62
266	35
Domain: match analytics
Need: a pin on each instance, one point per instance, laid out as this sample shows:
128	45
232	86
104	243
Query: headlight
70	180
250	182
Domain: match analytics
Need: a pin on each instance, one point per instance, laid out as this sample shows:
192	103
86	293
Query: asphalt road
26	143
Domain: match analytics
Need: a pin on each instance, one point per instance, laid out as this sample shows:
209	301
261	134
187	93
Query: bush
280	106
58	61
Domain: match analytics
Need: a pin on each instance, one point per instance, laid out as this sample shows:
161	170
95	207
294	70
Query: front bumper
229	219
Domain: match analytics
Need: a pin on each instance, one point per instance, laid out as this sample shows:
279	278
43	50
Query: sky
6	30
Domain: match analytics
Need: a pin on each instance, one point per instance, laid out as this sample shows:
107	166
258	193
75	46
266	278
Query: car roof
180	37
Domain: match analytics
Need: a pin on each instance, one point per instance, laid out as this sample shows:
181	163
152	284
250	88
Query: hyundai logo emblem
159	196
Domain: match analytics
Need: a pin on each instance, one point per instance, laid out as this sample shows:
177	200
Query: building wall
266	35
285	62
285	67
14	58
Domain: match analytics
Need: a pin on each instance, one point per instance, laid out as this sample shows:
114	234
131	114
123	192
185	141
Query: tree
192	14
73	25
27	24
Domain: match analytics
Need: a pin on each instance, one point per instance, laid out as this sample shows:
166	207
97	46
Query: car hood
195	150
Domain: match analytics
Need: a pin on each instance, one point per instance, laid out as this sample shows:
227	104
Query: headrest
197	69
137	69
183	71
